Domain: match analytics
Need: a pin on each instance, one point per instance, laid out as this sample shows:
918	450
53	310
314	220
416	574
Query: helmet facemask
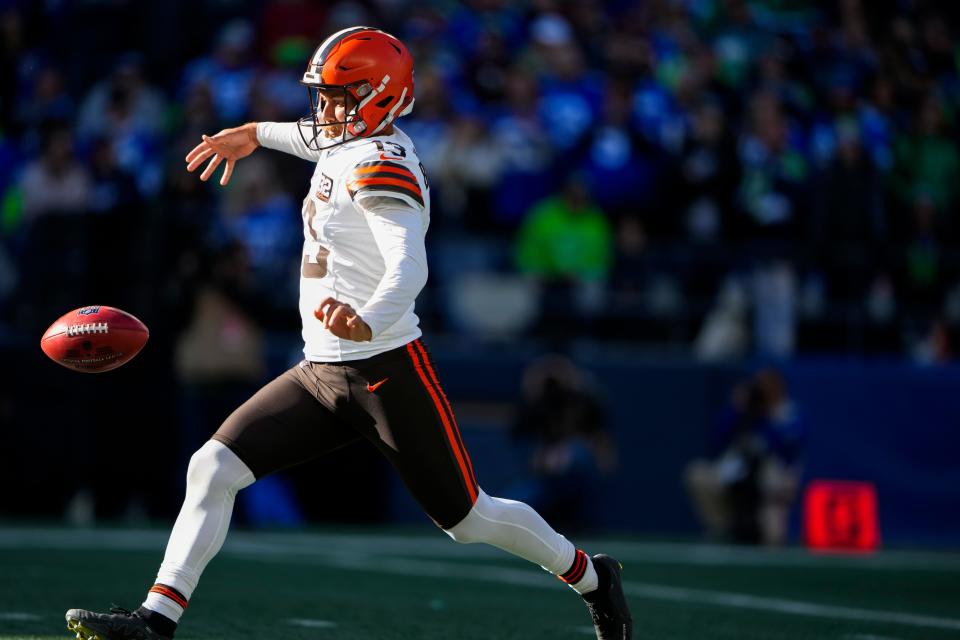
319	135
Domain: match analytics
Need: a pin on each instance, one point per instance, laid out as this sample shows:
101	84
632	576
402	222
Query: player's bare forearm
229	144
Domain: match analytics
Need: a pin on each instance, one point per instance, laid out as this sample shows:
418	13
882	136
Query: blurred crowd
732	176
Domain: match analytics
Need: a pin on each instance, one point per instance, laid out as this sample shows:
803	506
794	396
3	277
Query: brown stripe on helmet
320	56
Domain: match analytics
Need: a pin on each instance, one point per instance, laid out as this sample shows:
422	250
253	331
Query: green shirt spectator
927	164
565	236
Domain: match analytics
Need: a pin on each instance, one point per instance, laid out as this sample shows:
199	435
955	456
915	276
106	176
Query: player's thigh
417	431
282	425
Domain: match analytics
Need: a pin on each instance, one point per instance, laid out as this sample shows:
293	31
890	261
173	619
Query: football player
366	372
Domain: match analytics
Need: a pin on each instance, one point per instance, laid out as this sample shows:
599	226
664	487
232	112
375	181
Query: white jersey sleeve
285	136
398	231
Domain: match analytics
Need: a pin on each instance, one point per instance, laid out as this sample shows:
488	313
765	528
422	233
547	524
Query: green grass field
373	585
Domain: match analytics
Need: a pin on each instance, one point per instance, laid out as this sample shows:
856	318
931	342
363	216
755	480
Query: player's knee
465	531
474	527
215	468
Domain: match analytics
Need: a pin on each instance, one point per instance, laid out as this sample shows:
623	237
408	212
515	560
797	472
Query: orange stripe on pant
453	419
448	428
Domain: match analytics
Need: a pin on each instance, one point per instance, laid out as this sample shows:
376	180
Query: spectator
57	182
43	102
526	176
616	157
113	191
220	355
123	100
849	219
774	294
774	172
927	164
487	67
229	72
566	237
744	489
290	23
264	220
725	334
277	94
923	268
469	165
566	243
708	174
561	425
934	348
571	93
431	121
199	113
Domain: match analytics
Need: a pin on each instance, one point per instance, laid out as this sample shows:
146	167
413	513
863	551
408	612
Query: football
94	339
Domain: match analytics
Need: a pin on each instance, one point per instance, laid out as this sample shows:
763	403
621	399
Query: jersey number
314	266
400	152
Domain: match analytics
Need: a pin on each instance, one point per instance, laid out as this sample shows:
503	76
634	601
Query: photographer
744	490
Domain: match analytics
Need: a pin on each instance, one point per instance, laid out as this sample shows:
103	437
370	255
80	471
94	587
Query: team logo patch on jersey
326	187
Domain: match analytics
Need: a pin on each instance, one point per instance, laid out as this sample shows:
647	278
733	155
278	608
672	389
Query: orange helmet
370	66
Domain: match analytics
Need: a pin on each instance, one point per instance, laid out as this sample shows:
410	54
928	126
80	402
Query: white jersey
364	222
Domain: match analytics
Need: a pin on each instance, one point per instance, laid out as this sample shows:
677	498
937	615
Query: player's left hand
342	320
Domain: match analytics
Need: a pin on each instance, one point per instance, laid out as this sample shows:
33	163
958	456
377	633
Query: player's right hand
229	145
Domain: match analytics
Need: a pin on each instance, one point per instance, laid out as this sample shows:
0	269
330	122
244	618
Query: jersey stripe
395	181
446	402
400	190
395	175
460	455
384	168
385	184
385	176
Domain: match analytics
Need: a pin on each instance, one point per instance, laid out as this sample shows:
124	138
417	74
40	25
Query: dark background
773	183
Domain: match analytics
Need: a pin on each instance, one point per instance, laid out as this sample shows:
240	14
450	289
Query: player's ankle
158	622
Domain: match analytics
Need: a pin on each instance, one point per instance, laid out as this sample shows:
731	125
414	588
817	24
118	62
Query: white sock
518	529
214	476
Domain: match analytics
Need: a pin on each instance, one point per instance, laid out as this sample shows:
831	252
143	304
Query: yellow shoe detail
82	632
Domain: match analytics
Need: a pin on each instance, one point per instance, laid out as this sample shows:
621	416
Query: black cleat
608	606
119	624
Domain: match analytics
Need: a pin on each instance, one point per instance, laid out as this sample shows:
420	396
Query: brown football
94	339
